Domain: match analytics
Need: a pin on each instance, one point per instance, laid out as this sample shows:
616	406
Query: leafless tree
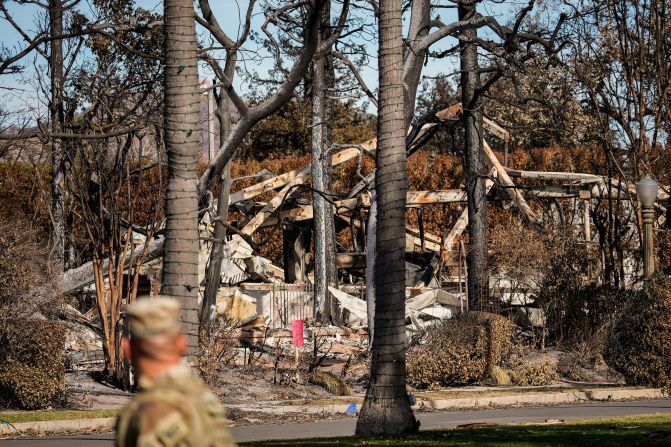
225	75
250	115
620	62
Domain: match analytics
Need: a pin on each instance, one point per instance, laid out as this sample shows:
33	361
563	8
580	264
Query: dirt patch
239	417
242	384
84	392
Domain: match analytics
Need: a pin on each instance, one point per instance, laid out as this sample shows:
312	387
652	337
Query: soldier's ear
181	344
126	348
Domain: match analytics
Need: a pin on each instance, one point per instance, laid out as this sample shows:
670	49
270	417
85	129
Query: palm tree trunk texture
386	409
478	271
181	119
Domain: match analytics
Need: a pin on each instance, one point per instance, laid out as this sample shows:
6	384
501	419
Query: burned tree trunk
296	249
370	265
386	408
478	272
57	117
324	226
213	272
181	117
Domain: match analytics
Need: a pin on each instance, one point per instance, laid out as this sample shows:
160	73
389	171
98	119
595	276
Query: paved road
432	420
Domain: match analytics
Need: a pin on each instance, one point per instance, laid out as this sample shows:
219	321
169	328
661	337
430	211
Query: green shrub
32	375
639	343
459	351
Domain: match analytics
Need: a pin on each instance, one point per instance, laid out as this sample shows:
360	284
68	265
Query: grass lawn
54	415
616	432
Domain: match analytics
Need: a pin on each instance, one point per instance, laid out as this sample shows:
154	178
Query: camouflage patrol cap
153	316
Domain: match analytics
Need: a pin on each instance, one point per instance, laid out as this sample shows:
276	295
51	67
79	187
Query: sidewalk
453	399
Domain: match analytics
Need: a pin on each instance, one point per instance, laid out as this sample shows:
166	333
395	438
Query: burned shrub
330	383
27	283
580	320
31	363
639	343
564	292
30	388
498	376
538	373
573	367
663	248
217	348
460	351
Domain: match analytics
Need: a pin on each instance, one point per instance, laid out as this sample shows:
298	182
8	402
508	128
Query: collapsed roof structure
438	254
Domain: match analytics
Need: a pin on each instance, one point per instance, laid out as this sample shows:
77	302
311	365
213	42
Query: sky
22	92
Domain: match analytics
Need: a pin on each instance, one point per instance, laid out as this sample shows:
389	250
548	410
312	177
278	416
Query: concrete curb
546	398
542	398
40	428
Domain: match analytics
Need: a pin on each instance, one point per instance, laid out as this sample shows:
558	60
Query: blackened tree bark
324	225
225	74
386	409
213	273
371	250
478	271
296	240
181	118
420	18
57	117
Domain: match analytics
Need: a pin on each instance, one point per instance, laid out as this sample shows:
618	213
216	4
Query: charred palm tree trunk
386	408
181	119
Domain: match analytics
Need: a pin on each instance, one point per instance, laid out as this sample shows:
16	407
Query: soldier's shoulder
152	421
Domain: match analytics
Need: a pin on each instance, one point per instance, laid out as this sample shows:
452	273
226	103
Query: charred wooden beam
441	196
506	181
562	176
284	179
351	260
495	129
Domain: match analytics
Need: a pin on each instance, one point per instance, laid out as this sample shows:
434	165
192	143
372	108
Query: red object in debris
297	332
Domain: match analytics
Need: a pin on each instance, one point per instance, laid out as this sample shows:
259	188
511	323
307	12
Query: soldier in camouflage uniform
175	408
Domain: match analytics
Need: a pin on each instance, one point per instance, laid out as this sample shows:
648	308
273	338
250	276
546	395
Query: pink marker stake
297	333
